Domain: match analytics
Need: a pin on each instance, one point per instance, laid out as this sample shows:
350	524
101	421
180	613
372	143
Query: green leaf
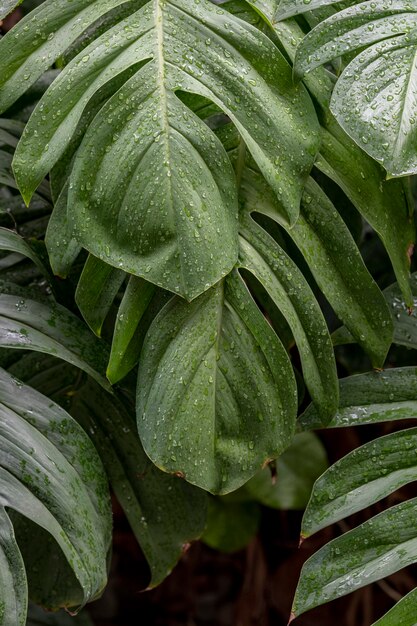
373	99
377	548
385	205
51	475
56	24
289	290
297	469
180	156
216	385
289	8
370	398
404	612
404	316
231	525
97	288
128	336
13	595
50	328
323	238
12	242
164	511
362	478
62	247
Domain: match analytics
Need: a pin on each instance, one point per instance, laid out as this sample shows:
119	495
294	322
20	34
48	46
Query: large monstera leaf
374	99
50	478
169	212
216	392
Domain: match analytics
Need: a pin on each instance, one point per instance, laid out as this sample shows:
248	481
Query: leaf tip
292	618
301	540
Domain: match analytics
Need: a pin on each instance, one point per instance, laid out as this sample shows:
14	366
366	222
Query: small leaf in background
297	469
231	525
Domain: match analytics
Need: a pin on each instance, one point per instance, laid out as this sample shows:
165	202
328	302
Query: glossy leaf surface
228	400
193	243
290	292
148	496
50	328
374	99
377	548
42	447
362	478
370	398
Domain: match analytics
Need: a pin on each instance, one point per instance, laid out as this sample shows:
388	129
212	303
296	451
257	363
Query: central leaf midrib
159	29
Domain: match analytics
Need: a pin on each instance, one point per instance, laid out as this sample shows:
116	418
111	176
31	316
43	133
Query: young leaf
97	288
217	386
127	337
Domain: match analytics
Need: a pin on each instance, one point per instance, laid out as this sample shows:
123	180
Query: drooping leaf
164	511
289	290
51	475
97	288
216	385
297	469
374	99
231	525
375	549
370	398
27	324
404	317
362	478
323	238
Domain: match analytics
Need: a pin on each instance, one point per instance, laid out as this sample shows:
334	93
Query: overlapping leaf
228	400
193	241
290	292
387	542
371	398
165	512
28	324
51	476
375	98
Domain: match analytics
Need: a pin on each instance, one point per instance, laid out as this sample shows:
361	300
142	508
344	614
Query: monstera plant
184	191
